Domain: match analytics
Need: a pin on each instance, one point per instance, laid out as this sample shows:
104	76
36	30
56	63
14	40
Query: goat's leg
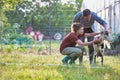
102	59
94	58
80	59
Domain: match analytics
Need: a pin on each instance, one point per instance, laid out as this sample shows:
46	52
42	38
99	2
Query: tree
43	14
7	5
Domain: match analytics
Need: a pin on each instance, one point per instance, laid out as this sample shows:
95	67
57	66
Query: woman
68	45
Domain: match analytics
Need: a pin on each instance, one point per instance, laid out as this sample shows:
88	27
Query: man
68	45
87	18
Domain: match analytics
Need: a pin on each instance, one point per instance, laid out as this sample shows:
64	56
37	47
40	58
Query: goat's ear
106	33
110	29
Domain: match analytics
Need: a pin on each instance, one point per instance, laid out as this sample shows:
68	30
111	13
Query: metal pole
114	15
105	9
110	16
49	28
119	15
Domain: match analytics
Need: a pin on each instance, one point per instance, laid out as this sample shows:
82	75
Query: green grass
16	66
25	64
45	45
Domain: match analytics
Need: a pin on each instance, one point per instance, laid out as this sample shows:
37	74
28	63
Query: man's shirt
88	24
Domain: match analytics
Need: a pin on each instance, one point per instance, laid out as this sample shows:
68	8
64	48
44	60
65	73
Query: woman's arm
92	34
79	42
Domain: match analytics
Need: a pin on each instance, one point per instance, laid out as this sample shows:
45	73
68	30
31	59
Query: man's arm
105	27
100	21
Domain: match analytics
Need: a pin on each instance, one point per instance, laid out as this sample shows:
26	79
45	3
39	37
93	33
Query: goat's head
106	39
106	36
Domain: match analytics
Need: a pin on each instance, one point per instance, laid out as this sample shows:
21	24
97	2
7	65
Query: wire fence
109	13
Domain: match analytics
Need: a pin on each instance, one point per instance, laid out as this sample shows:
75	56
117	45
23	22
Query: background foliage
43	14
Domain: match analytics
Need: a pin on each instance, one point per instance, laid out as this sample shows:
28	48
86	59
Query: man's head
87	14
77	28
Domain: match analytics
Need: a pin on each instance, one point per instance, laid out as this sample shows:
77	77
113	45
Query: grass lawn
15	66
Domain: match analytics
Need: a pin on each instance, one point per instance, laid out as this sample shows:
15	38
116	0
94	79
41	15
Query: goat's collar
98	43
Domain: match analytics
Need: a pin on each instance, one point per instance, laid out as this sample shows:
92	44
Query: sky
64	1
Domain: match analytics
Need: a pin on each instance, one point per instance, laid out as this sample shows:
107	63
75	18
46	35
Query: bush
12	35
116	40
115	46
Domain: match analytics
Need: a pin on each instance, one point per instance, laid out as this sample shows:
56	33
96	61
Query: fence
108	10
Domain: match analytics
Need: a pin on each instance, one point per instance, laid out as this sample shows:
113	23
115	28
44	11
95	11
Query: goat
100	46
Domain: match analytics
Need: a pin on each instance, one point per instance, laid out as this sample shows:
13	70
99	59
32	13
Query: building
109	10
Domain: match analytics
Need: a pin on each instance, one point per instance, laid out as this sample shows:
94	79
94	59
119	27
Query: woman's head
77	28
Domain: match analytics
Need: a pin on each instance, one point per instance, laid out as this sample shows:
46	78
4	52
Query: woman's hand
102	32
97	40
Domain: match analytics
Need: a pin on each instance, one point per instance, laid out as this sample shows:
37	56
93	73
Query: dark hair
86	12
76	26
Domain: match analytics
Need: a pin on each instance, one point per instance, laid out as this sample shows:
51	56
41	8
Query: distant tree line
40	14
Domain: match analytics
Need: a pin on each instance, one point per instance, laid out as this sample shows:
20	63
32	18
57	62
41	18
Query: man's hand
108	29
104	32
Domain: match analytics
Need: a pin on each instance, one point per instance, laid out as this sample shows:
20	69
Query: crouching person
68	45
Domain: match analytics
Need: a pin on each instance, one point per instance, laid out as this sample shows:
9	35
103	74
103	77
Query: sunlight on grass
49	67
114	63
